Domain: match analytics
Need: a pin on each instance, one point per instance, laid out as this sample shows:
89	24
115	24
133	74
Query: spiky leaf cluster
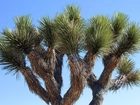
133	79
125	66
73	13
12	59
129	41
131	76
70	30
23	37
98	35
47	30
119	22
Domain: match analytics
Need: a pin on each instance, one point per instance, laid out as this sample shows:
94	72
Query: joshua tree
112	39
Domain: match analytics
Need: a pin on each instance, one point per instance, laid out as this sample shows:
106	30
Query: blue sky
15	92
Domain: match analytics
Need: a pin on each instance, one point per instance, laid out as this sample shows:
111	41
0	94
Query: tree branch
58	71
91	80
78	80
34	84
89	60
40	50
45	69
117	83
110	64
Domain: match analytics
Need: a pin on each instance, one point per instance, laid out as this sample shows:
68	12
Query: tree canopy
113	39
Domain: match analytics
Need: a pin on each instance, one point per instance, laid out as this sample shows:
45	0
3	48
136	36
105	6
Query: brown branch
117	83
91	80
45	69
40	50
58	71
89	60
100	86
34	84
78	80
38	64
98	94
110	64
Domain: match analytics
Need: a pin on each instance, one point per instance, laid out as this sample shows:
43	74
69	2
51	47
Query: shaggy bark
78	80
58	71
102	85
34	84
98	92
90	61
40	50
107	72
115	84
45	69
91	80
37	64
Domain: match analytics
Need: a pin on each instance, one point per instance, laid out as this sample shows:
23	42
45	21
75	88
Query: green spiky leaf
47	30
133	79
73	13
70	32
125	66
11	59
118	23
129	42
23	37
98	35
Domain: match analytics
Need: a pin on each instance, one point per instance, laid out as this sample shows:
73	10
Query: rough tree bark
34	84
98	92
45	68
117	83
102	84
58	71
77	70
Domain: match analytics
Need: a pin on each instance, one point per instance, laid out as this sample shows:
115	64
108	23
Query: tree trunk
98	93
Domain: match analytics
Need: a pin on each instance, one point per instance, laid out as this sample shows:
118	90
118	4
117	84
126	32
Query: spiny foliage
12	59
133	79
47	30
24	37
129	41
125	66
119	22
73	13
131	75
98	35
70	30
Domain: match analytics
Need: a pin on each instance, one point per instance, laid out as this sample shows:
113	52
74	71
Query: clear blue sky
15	92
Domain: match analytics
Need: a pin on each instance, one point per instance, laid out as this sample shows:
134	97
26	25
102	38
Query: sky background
15	92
